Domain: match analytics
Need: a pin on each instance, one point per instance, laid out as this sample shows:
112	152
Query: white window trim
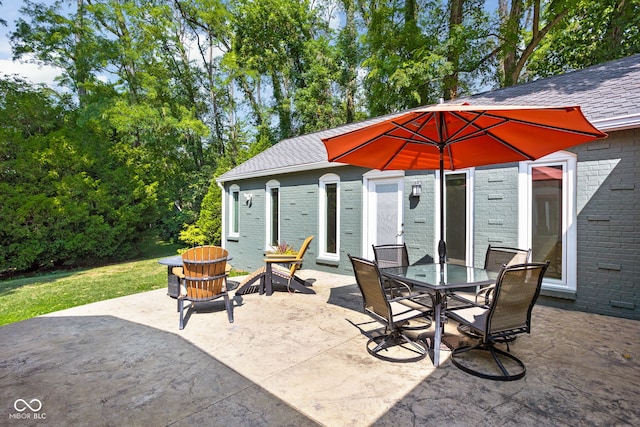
234	189
269	186
569	216
329	178
224	214
470	173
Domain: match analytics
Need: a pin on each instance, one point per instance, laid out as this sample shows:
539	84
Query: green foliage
297	60
160	96
207	229
593	33
64	201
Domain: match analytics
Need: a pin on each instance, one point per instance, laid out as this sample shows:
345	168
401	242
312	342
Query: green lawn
28	297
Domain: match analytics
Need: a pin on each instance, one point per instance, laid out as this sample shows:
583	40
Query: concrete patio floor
299	360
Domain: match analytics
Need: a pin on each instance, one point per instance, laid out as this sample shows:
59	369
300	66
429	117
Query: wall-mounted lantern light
416	189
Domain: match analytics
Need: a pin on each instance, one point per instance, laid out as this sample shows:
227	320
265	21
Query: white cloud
30	72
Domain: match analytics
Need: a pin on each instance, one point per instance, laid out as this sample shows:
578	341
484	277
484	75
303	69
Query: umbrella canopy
454	136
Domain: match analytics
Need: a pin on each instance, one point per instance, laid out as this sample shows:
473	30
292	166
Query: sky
31	72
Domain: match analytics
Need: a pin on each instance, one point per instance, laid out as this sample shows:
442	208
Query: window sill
233	238
554	293
326	261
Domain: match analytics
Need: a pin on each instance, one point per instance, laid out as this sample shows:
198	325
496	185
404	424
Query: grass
27	297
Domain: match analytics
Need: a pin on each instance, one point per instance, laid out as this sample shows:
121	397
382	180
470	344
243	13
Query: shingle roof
604	92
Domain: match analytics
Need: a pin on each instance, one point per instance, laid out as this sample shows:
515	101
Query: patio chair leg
180	310
227	303
420	348
299	285
382	343
506	376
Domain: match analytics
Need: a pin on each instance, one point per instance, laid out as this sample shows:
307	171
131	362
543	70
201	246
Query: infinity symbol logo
21	405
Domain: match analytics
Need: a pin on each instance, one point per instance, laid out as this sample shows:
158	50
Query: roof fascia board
284	170
618	123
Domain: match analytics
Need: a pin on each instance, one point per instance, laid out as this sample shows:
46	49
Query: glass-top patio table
441	279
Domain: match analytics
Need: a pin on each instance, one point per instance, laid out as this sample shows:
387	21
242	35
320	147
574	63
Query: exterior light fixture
416	189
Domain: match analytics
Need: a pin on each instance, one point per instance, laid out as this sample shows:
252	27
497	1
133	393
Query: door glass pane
456	216
546	233
275	218
332	217
386	214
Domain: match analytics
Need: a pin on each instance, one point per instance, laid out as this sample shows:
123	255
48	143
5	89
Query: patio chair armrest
415	297
396	287
466	303
485	292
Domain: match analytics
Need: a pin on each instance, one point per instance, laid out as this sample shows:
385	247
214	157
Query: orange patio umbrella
454	136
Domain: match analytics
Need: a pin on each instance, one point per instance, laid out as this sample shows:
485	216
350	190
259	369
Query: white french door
458	215
383	219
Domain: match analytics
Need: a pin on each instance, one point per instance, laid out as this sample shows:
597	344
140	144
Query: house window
548	217
273	213
329	217
234	208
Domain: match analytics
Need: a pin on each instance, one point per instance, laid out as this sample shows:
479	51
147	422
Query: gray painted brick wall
608	199
608	223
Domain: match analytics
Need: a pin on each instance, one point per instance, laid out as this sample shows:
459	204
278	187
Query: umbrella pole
442	246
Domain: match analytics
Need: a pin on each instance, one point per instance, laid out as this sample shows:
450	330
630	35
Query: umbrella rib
356	148
486	131
424	139
386	134
543	126
504	120
507	120
447	140
415	133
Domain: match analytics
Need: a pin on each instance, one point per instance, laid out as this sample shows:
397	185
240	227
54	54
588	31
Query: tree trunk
511	34
451	81
81	73
351	62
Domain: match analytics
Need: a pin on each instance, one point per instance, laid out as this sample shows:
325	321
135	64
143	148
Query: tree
522	30
282	48
593	33
403	68
349	55
64	41
467	47
2	21
64	201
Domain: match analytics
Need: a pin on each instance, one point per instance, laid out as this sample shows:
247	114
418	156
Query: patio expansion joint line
181	420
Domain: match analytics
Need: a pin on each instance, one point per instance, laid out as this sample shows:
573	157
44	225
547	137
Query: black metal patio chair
509	314
394	314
